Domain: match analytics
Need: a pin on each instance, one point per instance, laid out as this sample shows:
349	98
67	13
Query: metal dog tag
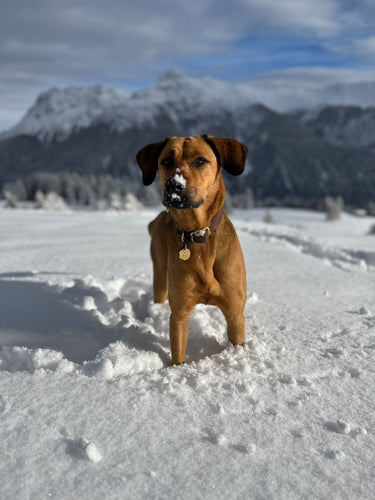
184	253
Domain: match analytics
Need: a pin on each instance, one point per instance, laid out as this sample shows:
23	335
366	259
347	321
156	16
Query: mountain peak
57	112
171	78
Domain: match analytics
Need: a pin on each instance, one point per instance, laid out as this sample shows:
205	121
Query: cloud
365	47
117	43
302	17
64	39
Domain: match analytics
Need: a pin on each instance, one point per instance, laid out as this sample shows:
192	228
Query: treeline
92	190
78	189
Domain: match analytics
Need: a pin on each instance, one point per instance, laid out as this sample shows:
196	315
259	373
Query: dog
195	251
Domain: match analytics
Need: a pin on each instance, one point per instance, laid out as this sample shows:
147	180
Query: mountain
341	125
295	157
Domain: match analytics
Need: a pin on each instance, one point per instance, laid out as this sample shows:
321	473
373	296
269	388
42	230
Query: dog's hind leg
159	255
160	279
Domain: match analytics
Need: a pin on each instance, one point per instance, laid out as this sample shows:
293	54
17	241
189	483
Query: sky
127	45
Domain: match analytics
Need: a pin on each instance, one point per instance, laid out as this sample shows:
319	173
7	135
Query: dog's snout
178	194
173	185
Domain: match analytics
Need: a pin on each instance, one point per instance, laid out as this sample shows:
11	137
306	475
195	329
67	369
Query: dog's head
190	166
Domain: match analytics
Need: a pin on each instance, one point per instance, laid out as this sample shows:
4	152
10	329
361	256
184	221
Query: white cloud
365	47
119	43
319	17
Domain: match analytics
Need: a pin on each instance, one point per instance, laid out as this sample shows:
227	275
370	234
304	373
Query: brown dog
194	247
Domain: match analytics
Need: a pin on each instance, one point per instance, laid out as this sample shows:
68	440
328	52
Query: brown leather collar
201	235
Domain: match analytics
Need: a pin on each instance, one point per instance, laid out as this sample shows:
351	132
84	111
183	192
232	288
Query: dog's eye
167	162
200	161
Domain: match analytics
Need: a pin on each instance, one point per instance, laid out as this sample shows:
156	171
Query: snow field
90	407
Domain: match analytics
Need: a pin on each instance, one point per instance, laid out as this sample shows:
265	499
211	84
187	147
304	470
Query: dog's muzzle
177	196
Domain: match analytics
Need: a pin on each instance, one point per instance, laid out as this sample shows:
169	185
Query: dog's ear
230	154
147	159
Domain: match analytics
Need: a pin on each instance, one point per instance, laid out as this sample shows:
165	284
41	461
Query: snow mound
102	329
14	359
119	359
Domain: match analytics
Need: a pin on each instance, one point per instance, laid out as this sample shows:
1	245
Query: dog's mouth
180	201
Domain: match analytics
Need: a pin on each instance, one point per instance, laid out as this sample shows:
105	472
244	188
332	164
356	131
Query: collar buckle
199	236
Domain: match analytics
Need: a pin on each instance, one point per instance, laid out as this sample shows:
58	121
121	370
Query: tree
334	207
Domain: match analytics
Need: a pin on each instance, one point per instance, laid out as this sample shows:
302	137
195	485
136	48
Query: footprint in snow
337	426
362	311
244	449
334	454
297	433
343	428
284	378
333	352
215	438
219	439
305	382
352	372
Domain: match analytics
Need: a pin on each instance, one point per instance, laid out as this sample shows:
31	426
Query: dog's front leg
236	328
233	312
178	334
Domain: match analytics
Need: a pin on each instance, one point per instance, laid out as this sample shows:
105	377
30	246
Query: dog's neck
194	219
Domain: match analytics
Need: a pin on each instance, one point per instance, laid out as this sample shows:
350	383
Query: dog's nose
173	185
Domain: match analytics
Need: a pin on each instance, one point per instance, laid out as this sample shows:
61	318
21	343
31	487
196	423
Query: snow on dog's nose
174	191
175	185
177	195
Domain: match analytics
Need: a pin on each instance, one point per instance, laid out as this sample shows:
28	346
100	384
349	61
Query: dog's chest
201	271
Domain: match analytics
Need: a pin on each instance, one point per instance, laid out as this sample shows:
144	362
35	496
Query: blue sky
125	44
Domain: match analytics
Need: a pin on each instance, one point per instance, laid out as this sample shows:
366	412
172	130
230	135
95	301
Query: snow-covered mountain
297	156
58	113
341	125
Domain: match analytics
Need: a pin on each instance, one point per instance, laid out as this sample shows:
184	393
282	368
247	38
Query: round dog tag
184	254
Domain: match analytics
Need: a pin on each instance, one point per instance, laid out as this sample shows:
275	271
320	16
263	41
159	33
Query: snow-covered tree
334	207
268	217
10	200
131	202
39	200
16	188
51	201
114	201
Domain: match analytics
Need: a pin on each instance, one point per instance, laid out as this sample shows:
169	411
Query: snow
180	179
90	407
